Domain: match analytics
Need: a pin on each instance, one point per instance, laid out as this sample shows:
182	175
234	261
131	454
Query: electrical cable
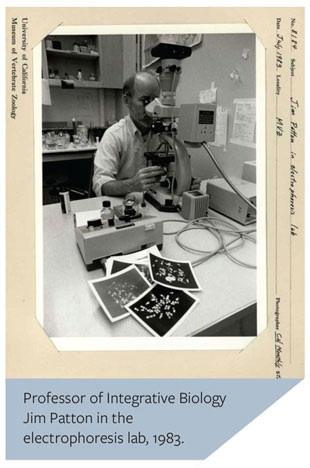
173	136
215	227
174	221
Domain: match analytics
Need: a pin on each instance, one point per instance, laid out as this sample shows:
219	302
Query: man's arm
106	167
142	181
106	161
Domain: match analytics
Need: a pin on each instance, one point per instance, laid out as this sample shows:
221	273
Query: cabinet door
117	59
111	61
44	61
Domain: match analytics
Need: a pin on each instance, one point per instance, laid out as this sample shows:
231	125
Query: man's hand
142	181
195	183
146	178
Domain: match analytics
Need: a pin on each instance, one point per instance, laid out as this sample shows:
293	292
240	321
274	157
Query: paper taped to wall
46	95
244	123
208	96
220	127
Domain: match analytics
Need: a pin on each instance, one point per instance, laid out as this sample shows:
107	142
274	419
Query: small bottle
76	47
51	74
74	126
64	198
106	214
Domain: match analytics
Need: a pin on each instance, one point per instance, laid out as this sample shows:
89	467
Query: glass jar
63	140
76	47
106	214
51	141
82	132
76	141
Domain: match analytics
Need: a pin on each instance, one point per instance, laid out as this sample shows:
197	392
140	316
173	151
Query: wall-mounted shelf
56	83
72	54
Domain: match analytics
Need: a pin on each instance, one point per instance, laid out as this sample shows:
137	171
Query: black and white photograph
177	275
114	292
142	267
150	141
161	309
140	256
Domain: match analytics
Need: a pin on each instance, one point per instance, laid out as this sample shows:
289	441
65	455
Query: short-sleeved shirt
120	153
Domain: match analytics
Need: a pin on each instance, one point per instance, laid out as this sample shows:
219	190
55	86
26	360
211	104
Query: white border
184	343
151	343
37	115
240	28
261	214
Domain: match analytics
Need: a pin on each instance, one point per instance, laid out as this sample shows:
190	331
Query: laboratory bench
70	153
227	300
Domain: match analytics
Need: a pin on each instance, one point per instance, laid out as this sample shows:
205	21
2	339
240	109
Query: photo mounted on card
172	273
114	292
63	131
161	310
142	267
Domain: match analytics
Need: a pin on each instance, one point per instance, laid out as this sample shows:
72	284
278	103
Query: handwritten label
294	34
278	338
294	128
287	69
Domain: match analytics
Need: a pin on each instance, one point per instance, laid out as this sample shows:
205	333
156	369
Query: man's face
146	89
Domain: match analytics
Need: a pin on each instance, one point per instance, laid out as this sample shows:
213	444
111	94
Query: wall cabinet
85	76
117	59
105	62
72	57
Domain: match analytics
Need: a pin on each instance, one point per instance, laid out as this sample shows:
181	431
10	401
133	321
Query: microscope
190	123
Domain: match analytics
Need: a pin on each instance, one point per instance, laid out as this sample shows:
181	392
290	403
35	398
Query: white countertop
71	310
71	148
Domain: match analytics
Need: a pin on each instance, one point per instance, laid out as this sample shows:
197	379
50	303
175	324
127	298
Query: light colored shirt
120	153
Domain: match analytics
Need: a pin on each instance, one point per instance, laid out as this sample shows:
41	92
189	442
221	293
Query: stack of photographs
152	289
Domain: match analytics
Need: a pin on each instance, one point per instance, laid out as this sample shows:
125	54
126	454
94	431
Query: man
119	166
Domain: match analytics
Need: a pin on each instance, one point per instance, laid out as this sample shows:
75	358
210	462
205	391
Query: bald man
119	166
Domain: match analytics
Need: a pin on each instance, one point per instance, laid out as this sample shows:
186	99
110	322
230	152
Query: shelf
68	154
58	157
71	149
72	54
53	82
